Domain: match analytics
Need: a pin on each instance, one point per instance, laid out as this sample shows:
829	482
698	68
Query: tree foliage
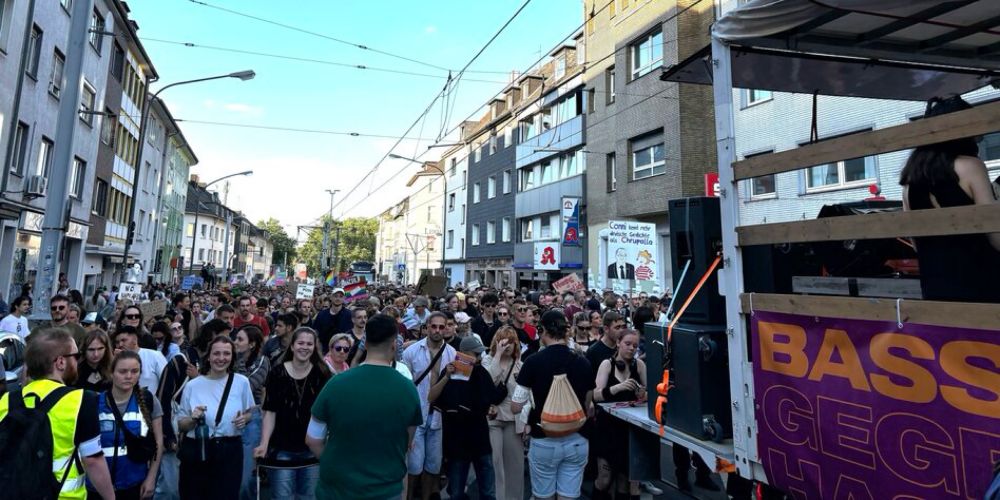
283	244
357	243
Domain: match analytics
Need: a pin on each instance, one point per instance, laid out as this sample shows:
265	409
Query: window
560	69
76	178
100	204
564	110
756	96
646	54
66	4
545	230
430	213
453	168
609	85
491	187
118	62
451	238
475	235
506	181
493	143
612	175
142	223
647	155
463	213
97	25
87	101
491	232
190	230
528	129
841	173
44	157
612	8
58	68
108	127
20	149
204	230
477	152
201	254
762	186
527	229
451	202
34	51
505	230
475	193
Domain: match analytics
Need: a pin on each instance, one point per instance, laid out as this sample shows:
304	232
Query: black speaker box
699	402
696	235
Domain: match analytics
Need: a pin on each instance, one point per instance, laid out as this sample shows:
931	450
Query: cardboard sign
153	309
473	286
570	283
434	286
304	291
463	366
130	291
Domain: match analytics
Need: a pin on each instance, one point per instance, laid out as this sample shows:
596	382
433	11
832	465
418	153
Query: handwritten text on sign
863	409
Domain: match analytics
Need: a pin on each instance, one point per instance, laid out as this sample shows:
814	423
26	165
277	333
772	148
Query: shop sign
546	256
34	222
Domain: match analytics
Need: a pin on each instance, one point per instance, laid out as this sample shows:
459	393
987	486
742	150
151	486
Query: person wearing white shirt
153	362
17	320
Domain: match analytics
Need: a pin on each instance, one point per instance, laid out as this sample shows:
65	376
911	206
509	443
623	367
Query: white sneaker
651	488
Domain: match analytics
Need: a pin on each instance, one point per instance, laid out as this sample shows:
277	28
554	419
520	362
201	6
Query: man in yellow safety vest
51	359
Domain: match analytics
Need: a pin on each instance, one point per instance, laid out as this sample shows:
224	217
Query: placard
130	291
191	282
632	253
866	409
153	309
432	286
570	283
304	291
472	286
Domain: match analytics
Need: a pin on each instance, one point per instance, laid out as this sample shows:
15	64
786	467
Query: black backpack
26	449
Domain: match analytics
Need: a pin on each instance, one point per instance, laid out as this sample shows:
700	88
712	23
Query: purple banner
850	409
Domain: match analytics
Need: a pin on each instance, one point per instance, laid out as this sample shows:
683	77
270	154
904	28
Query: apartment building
208	229
177	160
648	141
455	162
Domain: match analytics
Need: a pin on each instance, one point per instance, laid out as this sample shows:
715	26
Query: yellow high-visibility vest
62	419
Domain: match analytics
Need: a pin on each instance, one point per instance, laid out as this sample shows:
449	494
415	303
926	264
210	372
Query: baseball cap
471	344
338	290
461	317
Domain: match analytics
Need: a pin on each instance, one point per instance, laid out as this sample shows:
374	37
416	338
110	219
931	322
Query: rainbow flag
356	291
331	279
270	280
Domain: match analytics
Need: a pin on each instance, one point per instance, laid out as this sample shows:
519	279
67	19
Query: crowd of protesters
328	397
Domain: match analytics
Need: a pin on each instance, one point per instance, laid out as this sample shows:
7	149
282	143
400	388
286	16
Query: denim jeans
251	438
294	483
557	465
166	484
458	476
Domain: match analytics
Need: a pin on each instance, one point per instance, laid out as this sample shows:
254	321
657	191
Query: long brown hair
315	358
205	367
104	365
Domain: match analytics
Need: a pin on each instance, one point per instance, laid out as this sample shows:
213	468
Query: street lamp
432	164
130	229
197	212
326	234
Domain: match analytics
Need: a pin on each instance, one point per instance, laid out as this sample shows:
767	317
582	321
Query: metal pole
56	216
194	234
225	248
336	252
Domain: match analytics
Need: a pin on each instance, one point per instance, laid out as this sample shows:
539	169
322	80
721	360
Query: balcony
562	137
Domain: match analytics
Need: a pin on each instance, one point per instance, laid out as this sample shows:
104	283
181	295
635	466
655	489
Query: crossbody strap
222	404
430	367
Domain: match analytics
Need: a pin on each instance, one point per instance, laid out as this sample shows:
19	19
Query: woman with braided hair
131	430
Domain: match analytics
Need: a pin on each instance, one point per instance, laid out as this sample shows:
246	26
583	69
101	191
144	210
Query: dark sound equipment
696	235
699	403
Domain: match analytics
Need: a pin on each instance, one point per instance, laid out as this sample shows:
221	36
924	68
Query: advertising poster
632	254
571	221
865	409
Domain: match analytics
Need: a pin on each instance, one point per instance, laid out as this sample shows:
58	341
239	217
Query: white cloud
430	29
245	109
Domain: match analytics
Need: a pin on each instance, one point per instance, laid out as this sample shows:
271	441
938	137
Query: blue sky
293	170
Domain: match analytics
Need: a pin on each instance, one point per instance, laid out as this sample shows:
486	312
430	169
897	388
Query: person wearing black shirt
556	463
614	324
464	403
329	322
487	324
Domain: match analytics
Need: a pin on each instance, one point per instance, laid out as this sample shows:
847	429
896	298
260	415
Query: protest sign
570	283
433	286
130	291
153	309
304	291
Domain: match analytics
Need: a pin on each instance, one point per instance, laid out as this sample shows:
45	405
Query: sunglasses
522	309
437	327
58	308
503	314
75	355
132	316
341	348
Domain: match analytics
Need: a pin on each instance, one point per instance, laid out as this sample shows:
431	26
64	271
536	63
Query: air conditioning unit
35	186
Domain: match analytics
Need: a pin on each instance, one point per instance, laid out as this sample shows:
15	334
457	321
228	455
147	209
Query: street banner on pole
888	410
571	221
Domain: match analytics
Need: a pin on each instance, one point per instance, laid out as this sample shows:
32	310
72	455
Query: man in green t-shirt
363	422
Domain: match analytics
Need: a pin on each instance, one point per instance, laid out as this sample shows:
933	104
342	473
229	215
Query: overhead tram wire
436	98
300	130
193	45
612	53
330	38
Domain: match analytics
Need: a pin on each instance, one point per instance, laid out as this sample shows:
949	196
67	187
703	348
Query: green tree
357	243
284	245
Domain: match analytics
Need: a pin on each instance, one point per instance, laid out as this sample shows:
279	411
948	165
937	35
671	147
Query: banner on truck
865	409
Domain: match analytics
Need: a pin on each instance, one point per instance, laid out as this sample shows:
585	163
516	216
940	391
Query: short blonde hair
341	336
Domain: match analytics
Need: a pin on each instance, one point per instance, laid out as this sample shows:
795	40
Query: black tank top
960	267
633	374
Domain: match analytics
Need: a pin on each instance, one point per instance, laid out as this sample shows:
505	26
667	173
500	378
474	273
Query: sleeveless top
633	373
961	267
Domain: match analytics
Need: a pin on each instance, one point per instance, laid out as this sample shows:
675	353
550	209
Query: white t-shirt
404	370
11	324
153	364
203	391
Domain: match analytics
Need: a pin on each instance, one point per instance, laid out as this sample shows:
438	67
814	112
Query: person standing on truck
963	267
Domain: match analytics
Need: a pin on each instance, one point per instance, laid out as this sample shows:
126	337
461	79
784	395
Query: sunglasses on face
522	309
58	308
503	314
341	348
437	327
75	355
131	316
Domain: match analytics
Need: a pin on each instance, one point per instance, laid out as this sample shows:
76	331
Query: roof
885	49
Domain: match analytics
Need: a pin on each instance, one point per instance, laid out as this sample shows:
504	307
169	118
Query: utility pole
325	256
225	249
336	250
56	210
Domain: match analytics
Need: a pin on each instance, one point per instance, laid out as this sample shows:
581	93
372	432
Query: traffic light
131	233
